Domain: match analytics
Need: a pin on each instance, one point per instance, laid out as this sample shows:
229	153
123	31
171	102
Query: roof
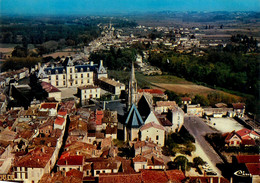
175	175
70	160
37	158
111	82
49	88
88	87
163	120
239	105
120	178
185	98
165	103
151	125
248	158
139	158
253	168
48	105
59	121
99	116
104	165
245	131
75	173
151	91
134	118
153	176
62	113
59	177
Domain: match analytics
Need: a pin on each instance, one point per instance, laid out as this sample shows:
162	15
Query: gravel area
225	124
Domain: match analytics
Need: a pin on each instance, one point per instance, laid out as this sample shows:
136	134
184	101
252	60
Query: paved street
199	129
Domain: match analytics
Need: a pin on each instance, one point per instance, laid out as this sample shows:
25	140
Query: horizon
106	7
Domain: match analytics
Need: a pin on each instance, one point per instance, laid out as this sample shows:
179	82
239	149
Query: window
70	76
157	137
57	77
49	77
81	75
76	76
70	69
104	171
88	75
63	76
98	172
82	81
64	83
76	82
57	83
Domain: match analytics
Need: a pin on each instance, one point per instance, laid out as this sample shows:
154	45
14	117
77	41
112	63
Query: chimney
52	66
91	63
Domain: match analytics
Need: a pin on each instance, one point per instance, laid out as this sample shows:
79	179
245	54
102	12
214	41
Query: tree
200	99
181	162
198	161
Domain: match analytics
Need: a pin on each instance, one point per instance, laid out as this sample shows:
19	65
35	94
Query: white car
206	166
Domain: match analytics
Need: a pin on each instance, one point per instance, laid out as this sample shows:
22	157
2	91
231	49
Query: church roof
134	119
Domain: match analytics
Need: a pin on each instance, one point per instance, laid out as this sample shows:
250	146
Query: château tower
132	88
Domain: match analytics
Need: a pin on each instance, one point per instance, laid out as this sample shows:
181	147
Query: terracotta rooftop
70	160
49	88
185	98
175	175
48	106
207	179
88	87
120	178
165	103
246	131
58	177
37	158
253	168
139	158
110	81
75	173
150	125
153	176
101	165
59	121
248	158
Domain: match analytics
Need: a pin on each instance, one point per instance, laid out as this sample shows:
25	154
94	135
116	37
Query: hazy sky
122	6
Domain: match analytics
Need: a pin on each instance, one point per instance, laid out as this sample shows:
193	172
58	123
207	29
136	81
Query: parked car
208	170
206	166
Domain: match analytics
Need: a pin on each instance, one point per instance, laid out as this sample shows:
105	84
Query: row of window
76	82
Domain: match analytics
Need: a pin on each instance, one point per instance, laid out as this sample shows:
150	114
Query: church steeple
132	88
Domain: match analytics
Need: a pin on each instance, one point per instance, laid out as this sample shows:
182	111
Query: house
32	166
153	131
47	127
186	100
60	121
105	167
88	92
244	137
114	87
164	106
239	109
120	177
145	147
177	118
155	93
68	162
71	177
140	162
49	107
52	92
195	110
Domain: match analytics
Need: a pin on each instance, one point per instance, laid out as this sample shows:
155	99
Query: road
198	128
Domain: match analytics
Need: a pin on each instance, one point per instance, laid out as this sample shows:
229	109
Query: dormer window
64	71
81	69
88	69
56	71
49	71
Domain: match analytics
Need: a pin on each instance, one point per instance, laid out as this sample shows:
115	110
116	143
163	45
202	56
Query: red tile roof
186	99
71	160
175	175
37	158
120	178
139	158
153	176
99	117
238	105
62	113
151	91
48	106
165	103
75	173
243	132
59	121
253	168
102	165
150	125
248	158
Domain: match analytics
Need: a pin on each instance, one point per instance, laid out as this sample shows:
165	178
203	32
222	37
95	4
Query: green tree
198	161
181	162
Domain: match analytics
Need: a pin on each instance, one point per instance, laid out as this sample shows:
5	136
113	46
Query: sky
50	7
